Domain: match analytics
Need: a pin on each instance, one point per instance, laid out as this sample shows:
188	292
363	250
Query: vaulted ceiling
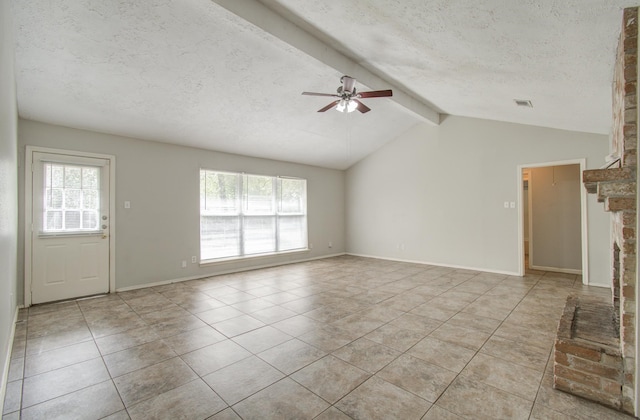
227	75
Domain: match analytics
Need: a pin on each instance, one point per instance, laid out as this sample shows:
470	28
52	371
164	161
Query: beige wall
162	183
436	194
8	192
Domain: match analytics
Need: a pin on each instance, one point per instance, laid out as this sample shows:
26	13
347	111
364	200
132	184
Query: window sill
221	261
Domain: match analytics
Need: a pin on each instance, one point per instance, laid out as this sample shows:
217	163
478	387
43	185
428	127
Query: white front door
70	226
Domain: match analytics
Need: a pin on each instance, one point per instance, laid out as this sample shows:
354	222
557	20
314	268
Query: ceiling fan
348	96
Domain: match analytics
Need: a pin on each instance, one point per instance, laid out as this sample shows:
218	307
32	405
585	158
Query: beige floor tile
12	397
58	358
227	414
367	355
96	401
472	399
126	339
139	357
377	399
356	325
167	313
495	331
291	355
177	326
215	356
48	325
62	381
330	378
326	338
509	377
16	369
438	413
219	314
201	305
285	400
103	326
261	339
462	319
154	380
516	352
193	400
242	379
441	353
297	325
395	337
332	413
273	314
421	324
238	325
193	340
466	337
328	313
540	412
418	377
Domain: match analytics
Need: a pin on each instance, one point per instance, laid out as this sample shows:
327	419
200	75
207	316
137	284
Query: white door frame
583	216
28	213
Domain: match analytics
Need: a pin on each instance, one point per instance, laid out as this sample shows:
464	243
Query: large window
243	215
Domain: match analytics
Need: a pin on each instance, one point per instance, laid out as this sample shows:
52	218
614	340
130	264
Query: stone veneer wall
607	378
625	143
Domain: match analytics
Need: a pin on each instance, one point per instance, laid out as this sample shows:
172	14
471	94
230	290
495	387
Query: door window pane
71	198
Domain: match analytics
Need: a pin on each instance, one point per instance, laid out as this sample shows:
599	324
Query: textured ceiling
227	75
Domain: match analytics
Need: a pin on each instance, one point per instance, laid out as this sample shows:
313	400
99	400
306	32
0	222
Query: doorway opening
552	220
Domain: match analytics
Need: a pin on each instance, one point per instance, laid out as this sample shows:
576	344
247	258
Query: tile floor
338	338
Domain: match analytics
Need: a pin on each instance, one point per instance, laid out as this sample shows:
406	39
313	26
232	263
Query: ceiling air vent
524	102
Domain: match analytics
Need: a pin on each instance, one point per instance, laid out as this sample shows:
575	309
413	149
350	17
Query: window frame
243	214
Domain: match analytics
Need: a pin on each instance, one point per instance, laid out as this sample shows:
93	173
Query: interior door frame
583	216
28	212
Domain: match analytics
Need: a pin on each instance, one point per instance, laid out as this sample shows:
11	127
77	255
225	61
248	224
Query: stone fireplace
595	346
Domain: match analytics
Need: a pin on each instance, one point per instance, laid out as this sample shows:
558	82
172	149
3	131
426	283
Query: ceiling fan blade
321	94
328	107
376	94
361	107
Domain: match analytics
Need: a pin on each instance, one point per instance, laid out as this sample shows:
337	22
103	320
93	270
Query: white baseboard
458	267
556	269
236	270
7	361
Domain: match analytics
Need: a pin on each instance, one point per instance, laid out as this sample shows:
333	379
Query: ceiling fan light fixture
346	106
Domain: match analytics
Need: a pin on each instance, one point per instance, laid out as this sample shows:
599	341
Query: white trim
237	270
583	215
231	260
457	267
7	362
28	213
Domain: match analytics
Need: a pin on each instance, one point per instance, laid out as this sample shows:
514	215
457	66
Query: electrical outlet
310	246
330	244
506	204
184	264
193	259
512	204
127	204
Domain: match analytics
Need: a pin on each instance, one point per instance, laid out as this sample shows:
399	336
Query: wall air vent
524	102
